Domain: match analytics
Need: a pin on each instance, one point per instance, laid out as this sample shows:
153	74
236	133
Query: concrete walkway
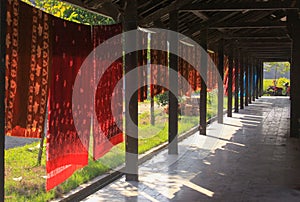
249	158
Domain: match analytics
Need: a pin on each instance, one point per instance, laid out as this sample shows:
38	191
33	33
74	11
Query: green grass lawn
22	161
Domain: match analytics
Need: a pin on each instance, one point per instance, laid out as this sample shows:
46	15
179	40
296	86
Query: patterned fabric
27	62
226	72
106	132
212	72
66	152
187	71
158	59
142	61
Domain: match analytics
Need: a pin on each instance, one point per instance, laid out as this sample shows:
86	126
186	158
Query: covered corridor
250	158
252	153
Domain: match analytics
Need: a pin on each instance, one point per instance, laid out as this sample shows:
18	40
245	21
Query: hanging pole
2	94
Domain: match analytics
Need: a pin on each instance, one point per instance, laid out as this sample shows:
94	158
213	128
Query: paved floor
249	158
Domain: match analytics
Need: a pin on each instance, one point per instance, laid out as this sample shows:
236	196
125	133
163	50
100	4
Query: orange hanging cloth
27	63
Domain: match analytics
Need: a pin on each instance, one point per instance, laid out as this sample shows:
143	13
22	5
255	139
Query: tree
279	67
69	12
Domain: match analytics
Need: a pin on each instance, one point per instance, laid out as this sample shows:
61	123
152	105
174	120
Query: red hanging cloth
106	130
142	72
27	62
66	152
159	60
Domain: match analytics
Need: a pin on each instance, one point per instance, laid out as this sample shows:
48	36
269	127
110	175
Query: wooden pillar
2	94
261	65
220	83
247	81
236	84
230	75
131	132
173	102
253	80
294	29
203	91
241	81
257	79
250	81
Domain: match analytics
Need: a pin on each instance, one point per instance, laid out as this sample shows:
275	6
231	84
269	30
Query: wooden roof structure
258	28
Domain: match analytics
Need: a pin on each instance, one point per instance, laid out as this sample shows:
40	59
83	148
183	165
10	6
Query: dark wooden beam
277	25
220	83
257	79
203	91
200	15
199	26
2	94
242	81
173	102
253	6
236	84
247	81
294	26
131	114
176	5
250	80
261	65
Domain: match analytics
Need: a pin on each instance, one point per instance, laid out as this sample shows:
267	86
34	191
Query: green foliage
279	67
162	99
281	81
69	12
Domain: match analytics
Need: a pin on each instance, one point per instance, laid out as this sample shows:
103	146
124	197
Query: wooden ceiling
258	28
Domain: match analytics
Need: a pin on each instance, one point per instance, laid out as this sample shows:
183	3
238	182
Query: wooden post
152	117
203	91
253	80
257	79
250	81
247	81
220	83
131	61
294	29
173	102
236	85
241	81
230	75
2	94
261	65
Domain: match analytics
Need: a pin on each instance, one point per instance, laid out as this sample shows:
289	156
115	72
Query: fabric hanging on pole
159	60
142	61
187	71
212	72
226	72
226	69
66	151
27	63
106	131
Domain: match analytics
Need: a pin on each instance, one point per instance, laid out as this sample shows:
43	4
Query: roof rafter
208	7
